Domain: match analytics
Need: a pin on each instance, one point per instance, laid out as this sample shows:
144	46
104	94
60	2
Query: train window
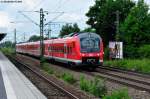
49	49
52	48
73	44
62	50
65	50
70	49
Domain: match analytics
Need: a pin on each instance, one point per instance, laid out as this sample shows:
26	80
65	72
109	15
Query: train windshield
90	44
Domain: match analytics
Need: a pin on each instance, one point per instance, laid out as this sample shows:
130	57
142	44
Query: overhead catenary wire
54	18
38	4
28	18
61	5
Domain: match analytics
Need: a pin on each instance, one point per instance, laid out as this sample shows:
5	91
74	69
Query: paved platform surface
14	85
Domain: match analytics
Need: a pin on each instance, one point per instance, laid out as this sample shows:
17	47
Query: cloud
4	19
30	4
71	17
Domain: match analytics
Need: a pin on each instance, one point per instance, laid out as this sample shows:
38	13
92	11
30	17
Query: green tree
34	38
67	29
102	16
7	44
135	29
89	30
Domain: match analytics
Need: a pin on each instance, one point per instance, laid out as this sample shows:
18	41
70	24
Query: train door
65	50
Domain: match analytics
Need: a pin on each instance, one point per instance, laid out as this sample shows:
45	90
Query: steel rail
106	71
145	75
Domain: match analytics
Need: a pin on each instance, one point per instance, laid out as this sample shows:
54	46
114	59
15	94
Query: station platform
13	84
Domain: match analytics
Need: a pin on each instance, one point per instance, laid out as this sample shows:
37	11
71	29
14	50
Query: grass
68	78
47	68
95	87
118	94
8	51
142	65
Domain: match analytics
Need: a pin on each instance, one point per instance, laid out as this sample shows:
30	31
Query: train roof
68	38
79	34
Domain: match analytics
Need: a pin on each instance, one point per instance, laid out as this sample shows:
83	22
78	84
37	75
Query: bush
130	52
68	78
43	60
133	52
144	51
106	53
119	94
8	51
84	84
47	68
95	87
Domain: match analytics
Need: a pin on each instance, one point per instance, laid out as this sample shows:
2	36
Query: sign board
116	50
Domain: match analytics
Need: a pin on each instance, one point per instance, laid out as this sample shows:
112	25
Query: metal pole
15	39
24	37
117	32
41	35
49	33
117	25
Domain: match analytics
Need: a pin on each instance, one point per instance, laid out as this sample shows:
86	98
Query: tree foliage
7	44
135	29
89	30
67	29
102	16
34	38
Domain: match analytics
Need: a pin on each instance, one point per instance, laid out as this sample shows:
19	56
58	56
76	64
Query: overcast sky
74	12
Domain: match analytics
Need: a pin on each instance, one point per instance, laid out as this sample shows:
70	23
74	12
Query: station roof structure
2	35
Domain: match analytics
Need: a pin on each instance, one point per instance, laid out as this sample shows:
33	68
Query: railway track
128	78
64	94
140	74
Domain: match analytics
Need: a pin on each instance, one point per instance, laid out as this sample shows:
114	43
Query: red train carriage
74	49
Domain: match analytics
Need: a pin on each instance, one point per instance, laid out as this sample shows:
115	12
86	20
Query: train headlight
83	54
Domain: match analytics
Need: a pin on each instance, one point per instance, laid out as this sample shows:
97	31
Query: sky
10	18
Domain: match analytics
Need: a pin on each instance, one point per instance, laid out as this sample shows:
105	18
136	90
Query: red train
74	49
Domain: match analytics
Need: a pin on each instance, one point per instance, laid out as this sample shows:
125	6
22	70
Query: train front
91	49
